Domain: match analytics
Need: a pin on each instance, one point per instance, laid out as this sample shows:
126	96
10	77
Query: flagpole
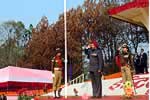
65	35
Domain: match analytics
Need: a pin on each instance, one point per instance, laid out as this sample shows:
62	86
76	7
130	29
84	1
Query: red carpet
103	98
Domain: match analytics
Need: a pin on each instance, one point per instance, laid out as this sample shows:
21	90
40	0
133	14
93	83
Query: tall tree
41	48
11	49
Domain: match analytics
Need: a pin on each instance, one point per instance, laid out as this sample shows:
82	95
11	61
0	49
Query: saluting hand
99	71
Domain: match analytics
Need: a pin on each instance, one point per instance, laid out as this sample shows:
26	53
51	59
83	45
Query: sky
31	11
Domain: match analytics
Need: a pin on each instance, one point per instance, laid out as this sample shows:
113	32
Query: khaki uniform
126	68
126	74
57	79
57	67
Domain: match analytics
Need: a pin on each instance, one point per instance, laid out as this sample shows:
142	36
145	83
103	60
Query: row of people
124	60
140	62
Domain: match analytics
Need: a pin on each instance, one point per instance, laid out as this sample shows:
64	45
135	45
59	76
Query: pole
65	35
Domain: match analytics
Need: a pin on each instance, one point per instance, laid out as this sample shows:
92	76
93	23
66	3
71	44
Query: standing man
95	68
137	63
126	61
143	61
57	67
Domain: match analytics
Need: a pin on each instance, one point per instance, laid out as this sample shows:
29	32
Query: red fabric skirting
134	4
15	86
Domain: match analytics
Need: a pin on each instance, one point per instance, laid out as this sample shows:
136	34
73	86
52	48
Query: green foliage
24	97
12	42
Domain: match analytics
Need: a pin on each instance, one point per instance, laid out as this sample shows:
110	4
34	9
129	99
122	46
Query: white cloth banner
111	86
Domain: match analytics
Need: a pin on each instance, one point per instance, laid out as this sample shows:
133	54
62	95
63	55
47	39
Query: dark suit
96	64
143	64
137	64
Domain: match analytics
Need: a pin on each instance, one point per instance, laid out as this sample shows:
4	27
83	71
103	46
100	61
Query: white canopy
17	74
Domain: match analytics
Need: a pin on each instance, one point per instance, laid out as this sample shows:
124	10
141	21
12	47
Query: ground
141	97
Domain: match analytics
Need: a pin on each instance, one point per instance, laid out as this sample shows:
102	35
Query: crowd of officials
141	62
124	59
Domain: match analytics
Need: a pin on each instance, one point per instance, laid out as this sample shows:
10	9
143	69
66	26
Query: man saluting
95	68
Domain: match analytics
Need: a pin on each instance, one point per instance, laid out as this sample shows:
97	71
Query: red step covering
141	97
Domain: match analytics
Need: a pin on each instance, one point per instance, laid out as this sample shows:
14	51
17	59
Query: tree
135	35
11	45
41	48
91	21
88	21
45	39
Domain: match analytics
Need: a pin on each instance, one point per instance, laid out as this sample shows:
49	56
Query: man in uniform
57	67
127	68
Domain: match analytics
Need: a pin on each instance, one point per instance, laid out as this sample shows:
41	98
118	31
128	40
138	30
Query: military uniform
127	67
57	63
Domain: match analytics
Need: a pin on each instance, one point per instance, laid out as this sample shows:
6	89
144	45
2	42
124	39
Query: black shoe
55	93
93	97
99	97
56	97
59	96
59	91
128	97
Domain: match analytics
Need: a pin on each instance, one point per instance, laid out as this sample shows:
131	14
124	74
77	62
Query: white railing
79	79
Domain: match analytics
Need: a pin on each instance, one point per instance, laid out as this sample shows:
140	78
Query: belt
58	69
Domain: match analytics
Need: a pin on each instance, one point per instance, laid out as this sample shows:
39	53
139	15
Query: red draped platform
15	79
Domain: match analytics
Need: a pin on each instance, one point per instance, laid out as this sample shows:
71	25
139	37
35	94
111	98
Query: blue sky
31	11
74	3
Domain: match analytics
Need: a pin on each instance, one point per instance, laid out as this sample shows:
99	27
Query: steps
110	87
